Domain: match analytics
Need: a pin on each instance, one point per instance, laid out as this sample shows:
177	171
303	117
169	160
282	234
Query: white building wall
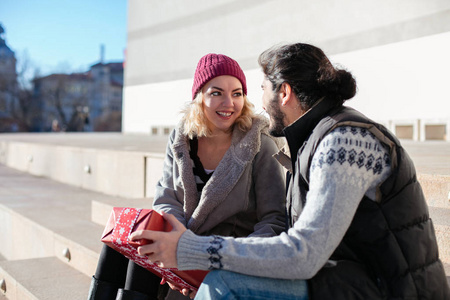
404	83
153	105
396	50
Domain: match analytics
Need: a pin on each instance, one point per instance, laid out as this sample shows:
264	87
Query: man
360	227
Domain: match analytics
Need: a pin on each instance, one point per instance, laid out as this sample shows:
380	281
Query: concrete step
54	217
43	279
57	236
51	219
436	189
130	165
447	271
441	221
78	247
101	208
2	294
113	164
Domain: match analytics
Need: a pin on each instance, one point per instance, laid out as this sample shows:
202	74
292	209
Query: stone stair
43	278
45	222
51	227
56	193
51	239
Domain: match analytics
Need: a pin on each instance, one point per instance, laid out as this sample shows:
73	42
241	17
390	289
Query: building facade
8	85
396	50
90	101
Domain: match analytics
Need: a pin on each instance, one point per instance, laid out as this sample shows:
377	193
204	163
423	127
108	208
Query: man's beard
276	118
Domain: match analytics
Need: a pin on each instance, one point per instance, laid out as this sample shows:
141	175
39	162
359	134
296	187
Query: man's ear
285	93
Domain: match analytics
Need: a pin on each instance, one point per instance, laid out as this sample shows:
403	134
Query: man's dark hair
309	72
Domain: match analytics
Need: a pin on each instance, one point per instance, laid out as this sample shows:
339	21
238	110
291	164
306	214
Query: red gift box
125	220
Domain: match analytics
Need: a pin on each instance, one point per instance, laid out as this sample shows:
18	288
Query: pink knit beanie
213	65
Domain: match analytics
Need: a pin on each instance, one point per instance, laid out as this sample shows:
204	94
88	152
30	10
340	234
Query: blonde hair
195	123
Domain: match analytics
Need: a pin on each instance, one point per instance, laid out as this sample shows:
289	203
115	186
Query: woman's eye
238	94
215	94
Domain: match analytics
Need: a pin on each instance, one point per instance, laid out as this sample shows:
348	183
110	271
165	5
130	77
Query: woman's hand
163	250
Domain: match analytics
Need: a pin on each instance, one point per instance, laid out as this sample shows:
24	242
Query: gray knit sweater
336	188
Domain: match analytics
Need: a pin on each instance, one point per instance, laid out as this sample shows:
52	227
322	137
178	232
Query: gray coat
244	196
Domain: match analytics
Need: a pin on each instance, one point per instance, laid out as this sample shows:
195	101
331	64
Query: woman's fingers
145	250
143	234
176	225
164	244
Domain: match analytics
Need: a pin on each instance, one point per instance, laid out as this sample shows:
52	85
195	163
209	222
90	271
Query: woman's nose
228	101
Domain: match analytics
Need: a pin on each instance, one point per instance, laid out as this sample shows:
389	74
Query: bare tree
64	99
111	121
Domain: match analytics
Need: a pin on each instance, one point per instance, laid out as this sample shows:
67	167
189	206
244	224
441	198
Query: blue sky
64	35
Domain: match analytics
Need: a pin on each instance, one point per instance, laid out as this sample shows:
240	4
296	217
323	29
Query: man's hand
163	250
185	292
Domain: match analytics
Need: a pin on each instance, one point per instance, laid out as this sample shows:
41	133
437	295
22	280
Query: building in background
90	101
397	50
8	85
62	102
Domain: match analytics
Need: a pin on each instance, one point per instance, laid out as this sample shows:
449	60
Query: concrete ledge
421	129
153	171
436	189
116	164
52	216
443	240
37	241
49	217
432	157
30	233
43	278
101	209
117	173
441	221
447	271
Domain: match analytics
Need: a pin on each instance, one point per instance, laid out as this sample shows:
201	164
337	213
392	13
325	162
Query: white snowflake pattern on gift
123	228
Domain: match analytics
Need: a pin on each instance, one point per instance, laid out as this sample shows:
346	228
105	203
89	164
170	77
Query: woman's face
223	100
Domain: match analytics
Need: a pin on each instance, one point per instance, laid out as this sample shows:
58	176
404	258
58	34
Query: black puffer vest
390	249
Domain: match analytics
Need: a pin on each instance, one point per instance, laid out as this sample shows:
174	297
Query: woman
219	175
